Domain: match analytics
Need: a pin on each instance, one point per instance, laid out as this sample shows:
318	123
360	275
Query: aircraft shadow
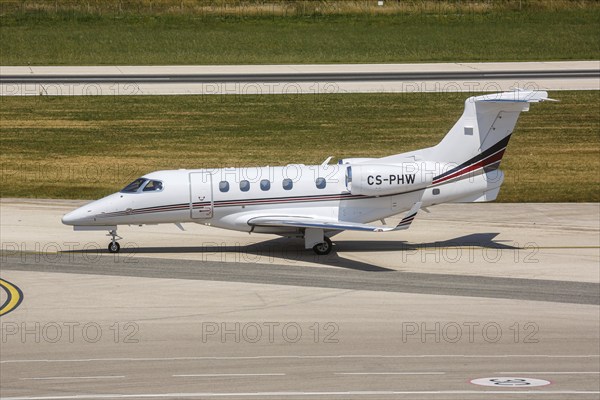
481	240
291	251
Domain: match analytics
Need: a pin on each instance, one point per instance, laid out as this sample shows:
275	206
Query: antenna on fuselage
326	161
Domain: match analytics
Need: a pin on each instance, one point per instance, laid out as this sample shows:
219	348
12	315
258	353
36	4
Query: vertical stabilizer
487	122
467	159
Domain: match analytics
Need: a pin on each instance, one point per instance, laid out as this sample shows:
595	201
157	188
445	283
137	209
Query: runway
294	79
208	313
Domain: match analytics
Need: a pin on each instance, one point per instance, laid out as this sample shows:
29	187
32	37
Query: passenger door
201	199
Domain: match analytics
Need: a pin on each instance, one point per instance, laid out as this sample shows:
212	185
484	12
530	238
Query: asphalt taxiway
470	291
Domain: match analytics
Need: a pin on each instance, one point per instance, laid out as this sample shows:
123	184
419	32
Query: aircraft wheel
324	248
114	247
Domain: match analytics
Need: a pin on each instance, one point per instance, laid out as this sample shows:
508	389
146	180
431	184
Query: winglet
409	217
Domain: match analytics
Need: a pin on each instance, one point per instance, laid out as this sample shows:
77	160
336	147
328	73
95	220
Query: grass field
87	147
35	32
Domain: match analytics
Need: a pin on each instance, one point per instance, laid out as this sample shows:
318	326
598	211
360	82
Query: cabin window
287	184
321	183
134	186
348	178
436	191
224	186
153	186
244	186
265	185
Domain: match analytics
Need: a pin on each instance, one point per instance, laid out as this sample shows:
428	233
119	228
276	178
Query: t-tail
476	143
467	159
485	127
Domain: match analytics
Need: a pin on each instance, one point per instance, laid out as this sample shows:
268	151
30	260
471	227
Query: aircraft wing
308	222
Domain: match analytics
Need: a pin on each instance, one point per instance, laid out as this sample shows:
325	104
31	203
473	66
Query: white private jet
315	202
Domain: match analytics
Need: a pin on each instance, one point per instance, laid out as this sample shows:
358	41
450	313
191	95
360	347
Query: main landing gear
114	246
322	249
314	238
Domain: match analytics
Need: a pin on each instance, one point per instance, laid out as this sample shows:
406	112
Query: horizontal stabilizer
409	218
518	96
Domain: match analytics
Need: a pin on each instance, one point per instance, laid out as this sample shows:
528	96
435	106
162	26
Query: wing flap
303	222
308	223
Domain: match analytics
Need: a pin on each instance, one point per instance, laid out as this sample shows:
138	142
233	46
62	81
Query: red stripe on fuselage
481	164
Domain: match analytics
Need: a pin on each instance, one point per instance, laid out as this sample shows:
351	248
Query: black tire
114	247
322	249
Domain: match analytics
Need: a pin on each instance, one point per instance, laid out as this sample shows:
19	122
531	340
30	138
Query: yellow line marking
15	296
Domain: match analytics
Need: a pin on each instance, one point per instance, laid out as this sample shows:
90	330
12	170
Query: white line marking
552	372
225	375
493	393
344	356
73	377
389	373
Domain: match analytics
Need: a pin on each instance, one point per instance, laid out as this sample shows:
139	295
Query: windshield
134	186
153	186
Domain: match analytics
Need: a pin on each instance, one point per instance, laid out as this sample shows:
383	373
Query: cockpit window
134	186
153	186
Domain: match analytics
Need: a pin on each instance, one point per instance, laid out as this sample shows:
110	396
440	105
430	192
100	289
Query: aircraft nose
74	217
70	218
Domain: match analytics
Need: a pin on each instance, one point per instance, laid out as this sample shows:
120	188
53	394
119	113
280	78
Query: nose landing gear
114	246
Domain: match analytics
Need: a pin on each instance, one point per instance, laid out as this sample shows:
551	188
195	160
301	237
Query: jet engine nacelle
378	180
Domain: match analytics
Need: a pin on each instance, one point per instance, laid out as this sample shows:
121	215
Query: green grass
87	147
79	38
